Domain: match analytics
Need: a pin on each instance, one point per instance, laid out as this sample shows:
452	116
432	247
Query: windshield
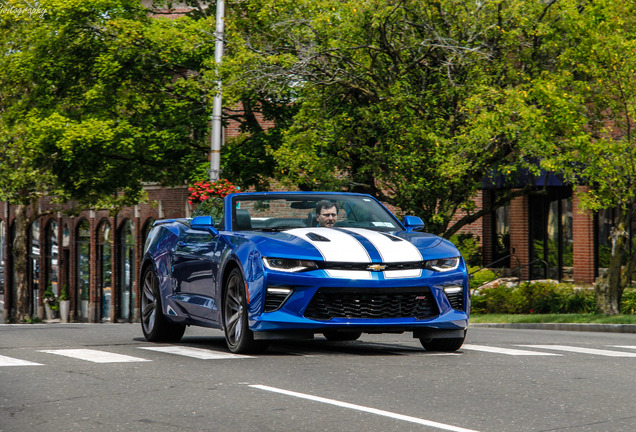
280	212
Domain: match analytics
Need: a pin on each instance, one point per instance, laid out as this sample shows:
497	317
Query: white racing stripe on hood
390	251
341	247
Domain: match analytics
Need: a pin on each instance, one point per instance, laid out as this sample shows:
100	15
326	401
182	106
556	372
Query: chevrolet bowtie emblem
376	267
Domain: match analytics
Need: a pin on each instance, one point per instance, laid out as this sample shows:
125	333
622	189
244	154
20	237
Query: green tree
414	102
601	56
96	98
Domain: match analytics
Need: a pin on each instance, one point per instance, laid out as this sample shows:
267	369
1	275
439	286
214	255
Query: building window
149	223
52	257
2	246
552	251
105	266
34	264
502	236
11	275
83	249
66	236
126	270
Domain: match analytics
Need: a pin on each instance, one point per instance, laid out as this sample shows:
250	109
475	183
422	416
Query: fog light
453	289
275	297
455	295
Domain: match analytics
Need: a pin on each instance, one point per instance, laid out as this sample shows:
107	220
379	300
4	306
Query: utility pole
217	108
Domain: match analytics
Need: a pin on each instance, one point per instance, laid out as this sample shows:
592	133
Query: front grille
328	303
456	300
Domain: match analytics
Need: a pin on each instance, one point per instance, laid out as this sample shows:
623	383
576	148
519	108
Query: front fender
244	255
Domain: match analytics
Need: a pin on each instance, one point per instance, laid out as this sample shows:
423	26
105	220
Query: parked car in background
259	266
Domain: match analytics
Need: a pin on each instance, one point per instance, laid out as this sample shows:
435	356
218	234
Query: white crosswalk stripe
198	353
506	351
8	361
581	350
98	356
95	356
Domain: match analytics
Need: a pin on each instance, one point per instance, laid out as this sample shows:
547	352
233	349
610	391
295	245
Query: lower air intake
369	303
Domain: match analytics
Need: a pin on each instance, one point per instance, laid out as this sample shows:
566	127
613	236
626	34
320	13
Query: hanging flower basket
203	190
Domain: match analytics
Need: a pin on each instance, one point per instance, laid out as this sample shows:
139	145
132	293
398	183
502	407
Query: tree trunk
609	288
20	263
607	296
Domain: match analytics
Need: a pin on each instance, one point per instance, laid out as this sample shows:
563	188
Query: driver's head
326	213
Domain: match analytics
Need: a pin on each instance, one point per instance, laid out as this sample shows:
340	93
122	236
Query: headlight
289	265
443	265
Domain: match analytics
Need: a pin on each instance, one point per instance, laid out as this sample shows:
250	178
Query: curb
608	328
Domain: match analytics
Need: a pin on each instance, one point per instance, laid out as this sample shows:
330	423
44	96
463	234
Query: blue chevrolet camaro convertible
289	265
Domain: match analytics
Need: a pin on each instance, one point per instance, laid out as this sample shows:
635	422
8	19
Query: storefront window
2	247
104	256
52	257
66	236
147	229
34	260
83	267
551	234
502	236
12	275
126	269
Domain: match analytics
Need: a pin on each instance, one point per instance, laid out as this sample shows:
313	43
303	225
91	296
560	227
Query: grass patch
553	318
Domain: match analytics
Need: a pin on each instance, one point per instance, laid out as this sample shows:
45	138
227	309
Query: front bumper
367	305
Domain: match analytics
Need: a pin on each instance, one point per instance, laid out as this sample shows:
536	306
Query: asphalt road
106	377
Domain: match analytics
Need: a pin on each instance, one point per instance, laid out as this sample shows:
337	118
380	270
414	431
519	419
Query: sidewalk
610	328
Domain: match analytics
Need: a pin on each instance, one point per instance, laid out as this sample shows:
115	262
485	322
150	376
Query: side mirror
413	223
204	223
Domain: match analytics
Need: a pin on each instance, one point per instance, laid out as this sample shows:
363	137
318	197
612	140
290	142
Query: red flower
202	190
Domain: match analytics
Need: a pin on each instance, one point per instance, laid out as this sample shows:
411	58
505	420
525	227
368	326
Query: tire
154	324
443	345
238	337
336	336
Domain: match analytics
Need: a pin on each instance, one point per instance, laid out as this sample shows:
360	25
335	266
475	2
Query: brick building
97	255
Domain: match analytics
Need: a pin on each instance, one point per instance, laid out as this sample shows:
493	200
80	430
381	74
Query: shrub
50	299
481	276
534	297
497	299
628	302
64	294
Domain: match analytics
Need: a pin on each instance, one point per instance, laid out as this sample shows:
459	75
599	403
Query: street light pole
215	151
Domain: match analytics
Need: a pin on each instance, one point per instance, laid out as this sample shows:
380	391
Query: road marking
363	408
198	353
8	361
506	351
624	346
95	356
606	353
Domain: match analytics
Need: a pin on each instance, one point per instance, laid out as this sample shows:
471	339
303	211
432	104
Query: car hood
351	245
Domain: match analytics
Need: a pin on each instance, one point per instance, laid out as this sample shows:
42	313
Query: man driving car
326	213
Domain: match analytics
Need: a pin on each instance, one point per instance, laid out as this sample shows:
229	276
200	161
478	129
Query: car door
194	269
